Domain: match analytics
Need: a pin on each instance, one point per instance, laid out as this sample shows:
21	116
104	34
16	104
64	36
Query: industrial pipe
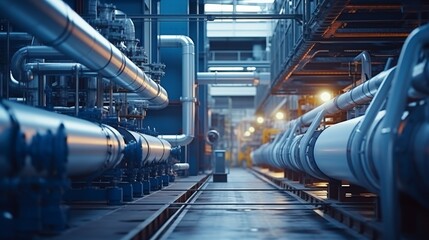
180	166
383	151
56	24
92	148
188	87
155	150
58	69
36	52
253	78
16	36
359	95
365	58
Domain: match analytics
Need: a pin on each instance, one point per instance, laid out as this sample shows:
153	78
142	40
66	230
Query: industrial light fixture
280	115
260	120
251	68
247	134
251	129
325	96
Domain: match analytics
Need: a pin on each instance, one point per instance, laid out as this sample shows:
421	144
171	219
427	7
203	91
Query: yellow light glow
247	134
325	96
251	129
280	115
260	120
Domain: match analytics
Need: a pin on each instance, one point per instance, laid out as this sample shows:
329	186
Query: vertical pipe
188	87
76	104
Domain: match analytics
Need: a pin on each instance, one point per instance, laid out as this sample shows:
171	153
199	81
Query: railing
289	33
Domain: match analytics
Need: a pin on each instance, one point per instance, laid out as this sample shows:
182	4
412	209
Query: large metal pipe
188	87
253	78
154	149
359	95
56	24
92	147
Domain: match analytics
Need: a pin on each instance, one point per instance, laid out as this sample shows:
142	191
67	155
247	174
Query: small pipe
16	36
204	78
76	104
365	58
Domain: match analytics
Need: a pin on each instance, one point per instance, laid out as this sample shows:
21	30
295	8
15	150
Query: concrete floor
271	220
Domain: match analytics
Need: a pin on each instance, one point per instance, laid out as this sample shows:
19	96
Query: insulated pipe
92	147
390	127
359	95
204	78
154	149
56	24
188	87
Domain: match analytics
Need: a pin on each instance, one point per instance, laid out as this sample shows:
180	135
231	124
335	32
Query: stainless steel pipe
188	88
253	78
92	147
56	24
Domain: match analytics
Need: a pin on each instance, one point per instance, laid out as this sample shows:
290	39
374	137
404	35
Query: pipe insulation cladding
92	147
56	24
154	150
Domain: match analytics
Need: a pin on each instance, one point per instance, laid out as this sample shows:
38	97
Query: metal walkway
246	207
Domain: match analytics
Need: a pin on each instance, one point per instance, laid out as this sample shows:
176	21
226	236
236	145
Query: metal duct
188	87
253	78
56	24
92	147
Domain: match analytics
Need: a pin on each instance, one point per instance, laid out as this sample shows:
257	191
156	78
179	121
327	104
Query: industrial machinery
383	151
71	116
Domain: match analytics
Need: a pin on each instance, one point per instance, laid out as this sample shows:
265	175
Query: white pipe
188	87
253	78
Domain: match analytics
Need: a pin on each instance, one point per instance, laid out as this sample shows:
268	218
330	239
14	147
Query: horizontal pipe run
59	69
92	147
361	94
56	24
180	166
253	78
31	52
